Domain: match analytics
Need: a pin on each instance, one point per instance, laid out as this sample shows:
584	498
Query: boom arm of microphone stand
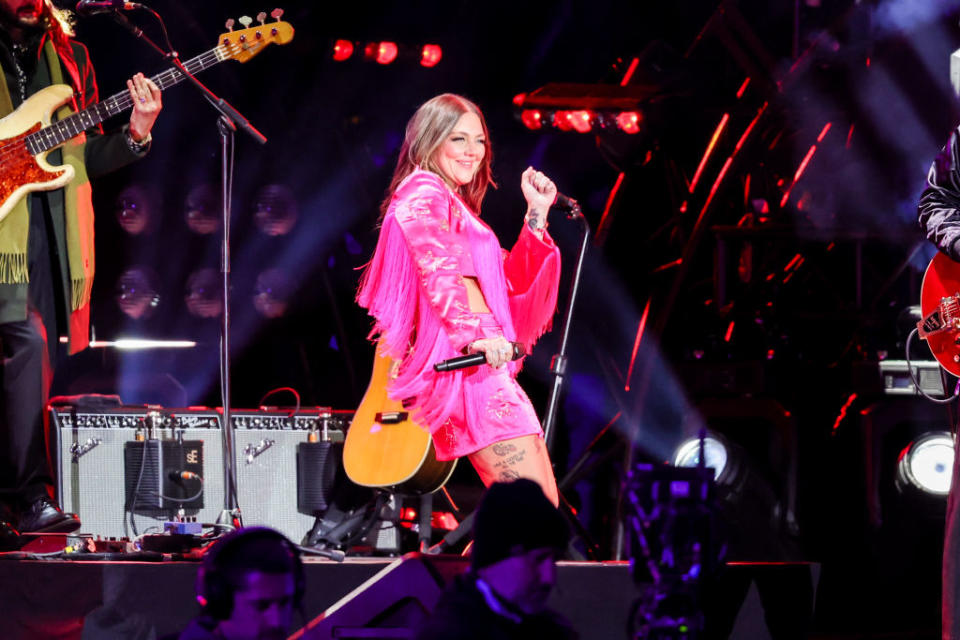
138	33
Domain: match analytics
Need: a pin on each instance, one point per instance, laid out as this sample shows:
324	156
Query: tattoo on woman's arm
535	220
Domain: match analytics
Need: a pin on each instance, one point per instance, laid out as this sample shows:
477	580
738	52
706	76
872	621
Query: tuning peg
276	14
261	17
230	24
246	21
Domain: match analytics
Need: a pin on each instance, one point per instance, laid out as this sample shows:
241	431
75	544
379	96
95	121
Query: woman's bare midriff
478	303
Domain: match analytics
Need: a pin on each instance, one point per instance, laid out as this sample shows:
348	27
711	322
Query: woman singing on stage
439	286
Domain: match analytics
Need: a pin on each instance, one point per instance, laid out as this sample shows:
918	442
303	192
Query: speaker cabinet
96	479
93	474
267	446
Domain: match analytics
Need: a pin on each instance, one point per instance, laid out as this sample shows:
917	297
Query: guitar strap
14	228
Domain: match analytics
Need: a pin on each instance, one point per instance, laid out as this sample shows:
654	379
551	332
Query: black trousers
25	378
26	372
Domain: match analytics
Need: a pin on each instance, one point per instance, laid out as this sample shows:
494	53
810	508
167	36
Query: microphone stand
227	124
558	365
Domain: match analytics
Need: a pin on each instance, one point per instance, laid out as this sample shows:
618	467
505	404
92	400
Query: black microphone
462	362
93	7
565	202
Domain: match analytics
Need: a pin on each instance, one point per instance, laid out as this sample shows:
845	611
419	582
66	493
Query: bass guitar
27	135
385	448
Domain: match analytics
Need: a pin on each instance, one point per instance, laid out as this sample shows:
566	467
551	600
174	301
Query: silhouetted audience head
518	536
249	585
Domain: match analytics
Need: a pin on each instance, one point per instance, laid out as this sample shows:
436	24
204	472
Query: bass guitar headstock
243	44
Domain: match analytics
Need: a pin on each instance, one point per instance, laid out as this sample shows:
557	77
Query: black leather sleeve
939	208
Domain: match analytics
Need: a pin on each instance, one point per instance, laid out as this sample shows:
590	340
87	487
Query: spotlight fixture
272	293
430	55
715	453
342	50
381	52
133	211
275	210
202	213
203	297
137	292
927	464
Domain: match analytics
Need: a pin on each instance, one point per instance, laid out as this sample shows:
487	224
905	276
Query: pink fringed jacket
413	287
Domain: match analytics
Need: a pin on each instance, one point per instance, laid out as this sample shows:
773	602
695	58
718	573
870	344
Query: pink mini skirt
492	408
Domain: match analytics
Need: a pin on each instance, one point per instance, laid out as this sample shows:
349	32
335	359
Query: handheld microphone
93	7
462	362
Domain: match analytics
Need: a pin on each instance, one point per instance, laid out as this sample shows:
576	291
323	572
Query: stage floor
57	599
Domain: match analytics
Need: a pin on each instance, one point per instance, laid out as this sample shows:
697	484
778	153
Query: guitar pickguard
20	168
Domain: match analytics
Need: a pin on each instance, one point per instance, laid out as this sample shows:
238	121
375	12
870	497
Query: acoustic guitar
385	448
27	135
940	306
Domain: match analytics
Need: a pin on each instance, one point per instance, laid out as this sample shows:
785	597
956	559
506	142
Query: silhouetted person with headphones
250	584
517	537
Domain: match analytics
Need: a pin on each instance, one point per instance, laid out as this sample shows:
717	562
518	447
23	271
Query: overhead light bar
386	52
585	108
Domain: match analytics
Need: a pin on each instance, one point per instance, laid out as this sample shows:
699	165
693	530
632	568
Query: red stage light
386	52
342	50
629	121
430	55
381	52
532	118
519	98
563	120
582	121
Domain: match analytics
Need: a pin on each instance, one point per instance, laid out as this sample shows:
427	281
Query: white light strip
131	344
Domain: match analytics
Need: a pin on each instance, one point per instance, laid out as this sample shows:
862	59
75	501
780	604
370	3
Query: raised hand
147	104
540	193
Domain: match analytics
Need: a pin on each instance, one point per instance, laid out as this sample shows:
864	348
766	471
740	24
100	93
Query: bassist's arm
104	152
939	209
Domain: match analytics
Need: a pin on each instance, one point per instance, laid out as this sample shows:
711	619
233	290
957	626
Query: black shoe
45	516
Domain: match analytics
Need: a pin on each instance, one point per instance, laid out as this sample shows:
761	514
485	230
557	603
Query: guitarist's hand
498	351
146	106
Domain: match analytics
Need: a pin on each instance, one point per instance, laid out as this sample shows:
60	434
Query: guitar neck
73	125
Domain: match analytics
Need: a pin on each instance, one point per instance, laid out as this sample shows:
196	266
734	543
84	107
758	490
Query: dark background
771	363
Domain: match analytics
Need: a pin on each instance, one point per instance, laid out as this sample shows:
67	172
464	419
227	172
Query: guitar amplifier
272	449
95	479
102	464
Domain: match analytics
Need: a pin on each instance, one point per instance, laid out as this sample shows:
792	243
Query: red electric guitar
940	305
